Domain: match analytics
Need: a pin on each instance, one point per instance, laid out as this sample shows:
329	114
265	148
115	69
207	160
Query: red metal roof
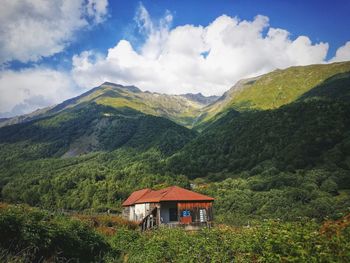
172	193
135	196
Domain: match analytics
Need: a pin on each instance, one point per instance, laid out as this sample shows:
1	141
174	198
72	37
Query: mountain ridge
182	109
196	110
258	92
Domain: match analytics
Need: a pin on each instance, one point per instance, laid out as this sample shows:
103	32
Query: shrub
46	236
270	241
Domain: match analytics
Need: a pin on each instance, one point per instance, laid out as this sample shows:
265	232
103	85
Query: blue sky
326	21
158	45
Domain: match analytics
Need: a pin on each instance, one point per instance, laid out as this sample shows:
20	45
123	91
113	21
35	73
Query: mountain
24	118
182	109
92	127
311	131
272	90
200	98
286	159
303	135
3	120
268	91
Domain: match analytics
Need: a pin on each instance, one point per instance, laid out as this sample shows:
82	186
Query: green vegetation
95	181
31	235
271	241
125	149
281	87
275	89
302	135
91	127
34	235
271	194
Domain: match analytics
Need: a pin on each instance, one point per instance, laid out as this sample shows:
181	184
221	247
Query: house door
172	214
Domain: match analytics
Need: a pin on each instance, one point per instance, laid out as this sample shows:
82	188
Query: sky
52	50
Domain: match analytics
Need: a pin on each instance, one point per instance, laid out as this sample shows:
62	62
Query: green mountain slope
273	90
298	136
311	132
334	88
92	127
182	109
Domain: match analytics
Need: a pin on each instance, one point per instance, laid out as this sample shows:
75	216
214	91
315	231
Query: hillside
311	132
273	90
92	127
298	136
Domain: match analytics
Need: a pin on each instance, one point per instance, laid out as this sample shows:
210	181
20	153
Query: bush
46	236
32	235
329	186
270	241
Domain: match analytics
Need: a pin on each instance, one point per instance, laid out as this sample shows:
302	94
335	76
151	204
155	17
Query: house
172	206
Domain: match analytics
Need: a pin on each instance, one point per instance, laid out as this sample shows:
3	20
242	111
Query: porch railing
149	221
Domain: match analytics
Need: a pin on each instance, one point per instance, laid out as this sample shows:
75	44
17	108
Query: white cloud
27	90
32	29
196	58
156	32
97	9
342	53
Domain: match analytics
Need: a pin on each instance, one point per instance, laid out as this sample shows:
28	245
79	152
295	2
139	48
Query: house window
172	214
202	215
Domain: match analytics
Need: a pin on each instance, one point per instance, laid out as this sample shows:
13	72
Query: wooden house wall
195	207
